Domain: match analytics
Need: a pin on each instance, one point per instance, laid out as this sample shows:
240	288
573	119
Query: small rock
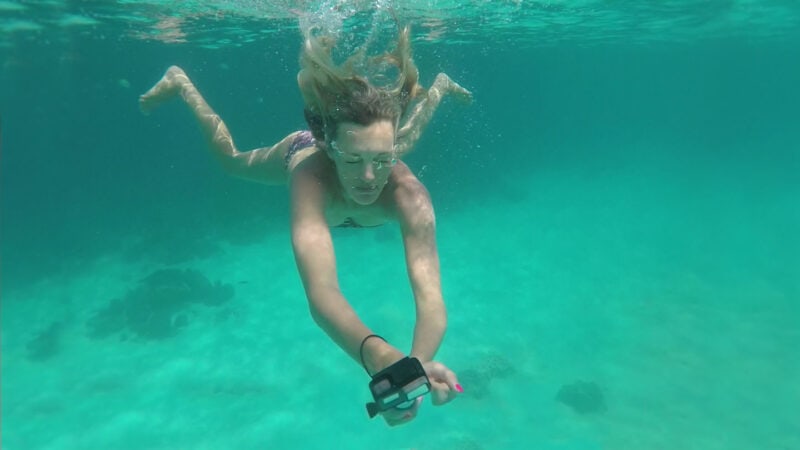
584	397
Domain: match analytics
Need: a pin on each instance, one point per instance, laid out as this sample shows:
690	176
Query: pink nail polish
459	388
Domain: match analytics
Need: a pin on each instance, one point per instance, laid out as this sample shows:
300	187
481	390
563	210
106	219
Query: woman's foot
455	89
167	87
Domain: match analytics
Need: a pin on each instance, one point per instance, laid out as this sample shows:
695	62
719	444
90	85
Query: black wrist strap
361	350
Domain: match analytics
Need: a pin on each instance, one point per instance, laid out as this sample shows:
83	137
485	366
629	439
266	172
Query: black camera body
398	386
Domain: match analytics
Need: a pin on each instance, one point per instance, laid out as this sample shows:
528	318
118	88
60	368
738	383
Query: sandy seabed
683	314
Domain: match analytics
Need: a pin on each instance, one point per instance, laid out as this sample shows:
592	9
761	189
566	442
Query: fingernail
459	388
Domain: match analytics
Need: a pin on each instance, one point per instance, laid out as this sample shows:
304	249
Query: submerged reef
158	306
584	397
46	344
477	378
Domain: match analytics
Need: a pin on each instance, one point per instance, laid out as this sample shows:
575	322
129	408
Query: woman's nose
368	172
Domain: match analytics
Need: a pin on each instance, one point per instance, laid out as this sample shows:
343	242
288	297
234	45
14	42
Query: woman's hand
444	388
398	416
444	383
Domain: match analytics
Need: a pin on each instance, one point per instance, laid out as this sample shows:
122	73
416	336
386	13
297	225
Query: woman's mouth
365	189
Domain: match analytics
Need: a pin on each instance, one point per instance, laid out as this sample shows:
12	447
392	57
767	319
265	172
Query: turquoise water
618	206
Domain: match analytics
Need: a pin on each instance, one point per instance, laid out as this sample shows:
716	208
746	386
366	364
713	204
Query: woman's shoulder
311	167
406	192
404	182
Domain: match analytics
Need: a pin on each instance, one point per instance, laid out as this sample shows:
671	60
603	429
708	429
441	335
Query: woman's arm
316	263
313	249
418	225
264	165
421	114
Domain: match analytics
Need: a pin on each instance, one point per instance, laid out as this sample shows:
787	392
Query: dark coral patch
477	378
159	306
46	344
584	397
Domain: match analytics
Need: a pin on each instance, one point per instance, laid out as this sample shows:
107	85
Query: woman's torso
338	211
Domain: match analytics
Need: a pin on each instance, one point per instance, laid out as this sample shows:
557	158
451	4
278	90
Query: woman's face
364	157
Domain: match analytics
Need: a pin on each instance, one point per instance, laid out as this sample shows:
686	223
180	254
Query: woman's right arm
316	263
263	165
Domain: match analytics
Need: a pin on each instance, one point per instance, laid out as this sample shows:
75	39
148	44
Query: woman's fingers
440	394
444	383
395	416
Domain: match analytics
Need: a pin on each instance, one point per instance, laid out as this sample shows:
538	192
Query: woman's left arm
418	225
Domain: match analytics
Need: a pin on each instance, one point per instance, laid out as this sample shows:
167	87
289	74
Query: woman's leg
175	82
410	131
265	165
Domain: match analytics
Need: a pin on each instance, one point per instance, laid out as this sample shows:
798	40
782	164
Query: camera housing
398	386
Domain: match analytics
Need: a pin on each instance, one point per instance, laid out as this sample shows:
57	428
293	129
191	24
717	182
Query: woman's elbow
433	311
316	314
321	315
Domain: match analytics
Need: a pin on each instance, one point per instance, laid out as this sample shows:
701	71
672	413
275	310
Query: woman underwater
347	170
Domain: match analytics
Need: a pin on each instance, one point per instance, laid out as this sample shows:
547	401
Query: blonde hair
335	94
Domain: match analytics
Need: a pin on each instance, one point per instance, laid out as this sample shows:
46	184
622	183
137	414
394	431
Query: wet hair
336	94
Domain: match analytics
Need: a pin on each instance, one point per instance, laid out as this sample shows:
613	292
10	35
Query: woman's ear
330	133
